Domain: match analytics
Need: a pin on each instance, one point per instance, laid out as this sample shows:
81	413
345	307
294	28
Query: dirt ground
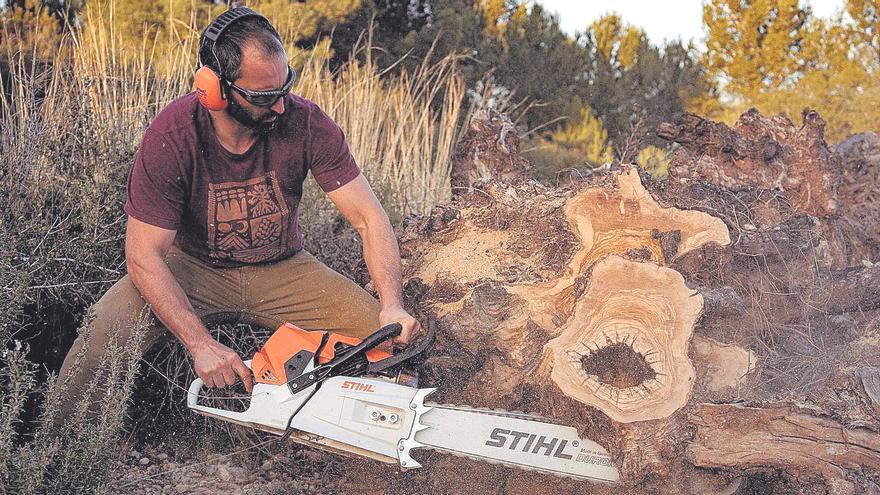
169	469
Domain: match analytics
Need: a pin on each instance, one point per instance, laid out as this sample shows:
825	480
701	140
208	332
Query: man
212	232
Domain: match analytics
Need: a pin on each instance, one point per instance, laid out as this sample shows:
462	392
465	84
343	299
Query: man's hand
411	326
217	365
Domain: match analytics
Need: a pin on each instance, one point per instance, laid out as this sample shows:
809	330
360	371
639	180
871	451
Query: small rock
237	472
134	454
267	465
162	457
144	461
223	473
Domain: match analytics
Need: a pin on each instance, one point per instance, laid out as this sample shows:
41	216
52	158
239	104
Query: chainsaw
347	396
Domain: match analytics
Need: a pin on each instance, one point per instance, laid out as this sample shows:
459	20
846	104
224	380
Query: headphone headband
221	23
224	20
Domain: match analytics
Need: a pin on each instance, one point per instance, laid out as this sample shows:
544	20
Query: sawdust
472	255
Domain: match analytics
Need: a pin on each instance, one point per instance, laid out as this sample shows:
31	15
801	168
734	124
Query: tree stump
716	332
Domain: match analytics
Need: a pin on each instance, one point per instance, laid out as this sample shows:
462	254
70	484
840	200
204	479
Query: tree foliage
587	136
755	45
516	49
618	43
28	28
634	85
777	56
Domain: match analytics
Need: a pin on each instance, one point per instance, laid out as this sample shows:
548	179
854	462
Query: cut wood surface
625	348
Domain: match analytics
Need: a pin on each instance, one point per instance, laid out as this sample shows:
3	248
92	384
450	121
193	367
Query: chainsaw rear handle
192	401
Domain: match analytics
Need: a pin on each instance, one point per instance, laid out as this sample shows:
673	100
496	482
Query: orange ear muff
209	89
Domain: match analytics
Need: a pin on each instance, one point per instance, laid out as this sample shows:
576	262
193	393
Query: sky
661	20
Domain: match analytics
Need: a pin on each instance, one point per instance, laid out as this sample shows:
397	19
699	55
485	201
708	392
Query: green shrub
64	454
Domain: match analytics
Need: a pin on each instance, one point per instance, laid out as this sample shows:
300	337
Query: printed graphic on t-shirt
247	221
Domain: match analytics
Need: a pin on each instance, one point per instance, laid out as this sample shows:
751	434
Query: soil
166	468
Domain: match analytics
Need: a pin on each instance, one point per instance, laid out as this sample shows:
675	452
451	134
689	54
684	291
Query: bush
64	454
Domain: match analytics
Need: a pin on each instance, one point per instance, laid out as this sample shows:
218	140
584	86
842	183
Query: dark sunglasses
266	98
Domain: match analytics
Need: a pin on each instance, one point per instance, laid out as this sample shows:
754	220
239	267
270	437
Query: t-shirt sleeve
156	188
331	164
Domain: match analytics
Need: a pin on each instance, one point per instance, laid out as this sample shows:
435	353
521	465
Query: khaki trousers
300	289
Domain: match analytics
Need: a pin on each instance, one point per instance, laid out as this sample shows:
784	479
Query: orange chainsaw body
268	363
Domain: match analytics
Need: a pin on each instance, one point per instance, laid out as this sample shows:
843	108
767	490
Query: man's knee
113	318
119	311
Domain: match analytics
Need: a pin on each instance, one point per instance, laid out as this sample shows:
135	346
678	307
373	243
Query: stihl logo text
357	386
528	442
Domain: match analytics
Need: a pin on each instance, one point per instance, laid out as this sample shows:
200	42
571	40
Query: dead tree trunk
717	331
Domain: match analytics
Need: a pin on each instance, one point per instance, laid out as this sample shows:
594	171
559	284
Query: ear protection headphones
211	86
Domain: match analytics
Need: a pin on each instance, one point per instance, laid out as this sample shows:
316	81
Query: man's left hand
411	326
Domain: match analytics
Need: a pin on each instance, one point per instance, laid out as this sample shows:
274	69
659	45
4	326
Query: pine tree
587	136
616	41
634	85
755	45
797	61
498	14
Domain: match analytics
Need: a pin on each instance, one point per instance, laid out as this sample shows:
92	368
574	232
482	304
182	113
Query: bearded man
212	232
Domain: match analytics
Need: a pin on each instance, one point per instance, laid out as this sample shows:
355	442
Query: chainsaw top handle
412	350
351	360
351	355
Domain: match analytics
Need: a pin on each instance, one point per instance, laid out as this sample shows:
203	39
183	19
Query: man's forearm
383	261
160	289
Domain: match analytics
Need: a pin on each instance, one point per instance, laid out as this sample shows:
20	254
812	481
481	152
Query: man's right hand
217	365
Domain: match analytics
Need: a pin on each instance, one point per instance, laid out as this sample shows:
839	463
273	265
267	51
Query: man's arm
359	205
145	250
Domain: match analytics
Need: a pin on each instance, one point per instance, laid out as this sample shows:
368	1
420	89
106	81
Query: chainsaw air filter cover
289	350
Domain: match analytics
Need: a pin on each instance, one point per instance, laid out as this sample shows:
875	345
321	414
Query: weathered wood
852	289
870	381
490	149
799	442
761	152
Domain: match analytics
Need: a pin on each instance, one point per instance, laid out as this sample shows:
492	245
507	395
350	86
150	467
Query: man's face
259	72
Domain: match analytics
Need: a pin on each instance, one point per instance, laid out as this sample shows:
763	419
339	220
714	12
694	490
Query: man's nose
278	106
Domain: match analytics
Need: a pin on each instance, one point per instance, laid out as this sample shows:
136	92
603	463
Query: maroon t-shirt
230	209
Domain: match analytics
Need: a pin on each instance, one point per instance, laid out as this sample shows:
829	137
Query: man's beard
244	117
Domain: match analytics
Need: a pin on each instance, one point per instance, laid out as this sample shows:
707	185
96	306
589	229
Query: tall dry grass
68	136
400	138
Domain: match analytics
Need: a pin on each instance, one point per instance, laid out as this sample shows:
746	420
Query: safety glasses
266	98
